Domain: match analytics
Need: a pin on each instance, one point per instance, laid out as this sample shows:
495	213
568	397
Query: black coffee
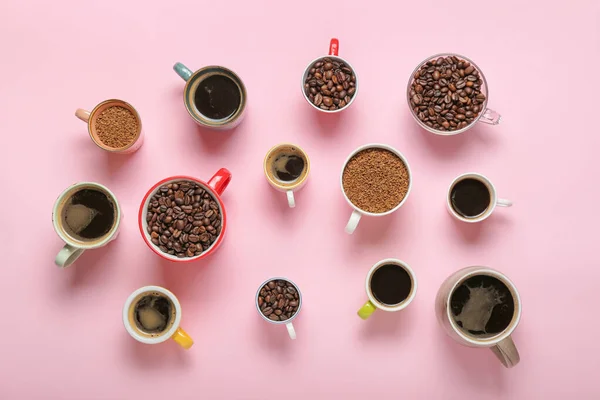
90	214
470	197
288	167
482	305
217	97
391	284
153	313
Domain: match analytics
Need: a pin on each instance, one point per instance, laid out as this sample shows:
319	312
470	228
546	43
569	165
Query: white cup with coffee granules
86	216
114	125
152	315
286	167
376	181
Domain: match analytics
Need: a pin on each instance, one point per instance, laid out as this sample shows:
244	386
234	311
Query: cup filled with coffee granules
329	83
114	126
278	301
214	96
182	218
447	94
375	181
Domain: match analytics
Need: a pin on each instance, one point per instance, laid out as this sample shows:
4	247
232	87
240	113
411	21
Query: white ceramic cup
174	332
501	344
287	187
288	322
74	246
358	213
494	200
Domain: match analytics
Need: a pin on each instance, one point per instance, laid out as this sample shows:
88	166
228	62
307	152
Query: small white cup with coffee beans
152	315
286	167
85	216
472	198
329	84
376	181
447	94
278	301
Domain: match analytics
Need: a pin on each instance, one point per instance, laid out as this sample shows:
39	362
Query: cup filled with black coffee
278	301
85	216
214	96
472	198
329	83
152	315
114	125
480	307
447	94
182	218
391	285
375	181
286	167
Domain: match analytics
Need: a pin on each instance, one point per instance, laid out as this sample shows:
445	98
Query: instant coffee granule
116	127
375	180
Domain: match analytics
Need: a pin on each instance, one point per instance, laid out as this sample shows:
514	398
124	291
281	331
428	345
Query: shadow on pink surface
92	268
274	339
154	356
483	231
384	324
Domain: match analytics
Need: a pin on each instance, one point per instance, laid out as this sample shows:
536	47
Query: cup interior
484	89
287	321
407	299
485	339
192	86
489	186
275	161
143	223
97	111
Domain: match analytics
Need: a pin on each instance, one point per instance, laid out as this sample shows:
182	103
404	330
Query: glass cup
487	116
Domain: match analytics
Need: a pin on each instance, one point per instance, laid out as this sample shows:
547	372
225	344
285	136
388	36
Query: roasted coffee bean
274	303
178	218
330	85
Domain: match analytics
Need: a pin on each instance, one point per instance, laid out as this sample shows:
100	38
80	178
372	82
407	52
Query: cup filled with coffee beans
85	216
152	315
114	126
447	94
286	167
329	83
278	301
183	218
391	286
376	181
480	307
472	198
214	96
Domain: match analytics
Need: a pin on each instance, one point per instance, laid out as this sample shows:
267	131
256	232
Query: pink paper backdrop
61	331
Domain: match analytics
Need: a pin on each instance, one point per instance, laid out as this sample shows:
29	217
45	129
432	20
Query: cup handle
490	117
291	200
504	203
182	339
67	256
184	72
353	222
220	180
291	330
334	47
507	352
366	310
83	115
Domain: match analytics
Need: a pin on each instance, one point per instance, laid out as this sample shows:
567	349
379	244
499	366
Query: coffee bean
330	83
273	303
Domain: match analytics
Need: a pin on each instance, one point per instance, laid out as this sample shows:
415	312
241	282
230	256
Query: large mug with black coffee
214	96
152	315
86	216
480	307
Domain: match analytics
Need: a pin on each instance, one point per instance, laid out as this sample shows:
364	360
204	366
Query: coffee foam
478	309
151	323
276	160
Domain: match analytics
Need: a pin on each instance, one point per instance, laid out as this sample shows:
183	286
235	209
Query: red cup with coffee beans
182	218
447	94
329	83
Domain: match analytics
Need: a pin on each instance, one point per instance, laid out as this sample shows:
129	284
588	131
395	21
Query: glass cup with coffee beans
447	93
329	83
183	218
278	301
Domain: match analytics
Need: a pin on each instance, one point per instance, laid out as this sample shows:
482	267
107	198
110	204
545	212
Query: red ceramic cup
215	186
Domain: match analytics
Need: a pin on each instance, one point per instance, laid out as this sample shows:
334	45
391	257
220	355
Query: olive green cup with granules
114	125
376	181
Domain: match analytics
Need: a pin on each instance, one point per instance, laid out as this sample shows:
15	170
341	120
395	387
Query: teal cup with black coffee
214	96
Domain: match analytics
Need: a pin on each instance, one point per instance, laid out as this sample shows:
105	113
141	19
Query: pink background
61	331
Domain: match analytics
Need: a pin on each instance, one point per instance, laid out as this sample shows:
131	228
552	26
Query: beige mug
286	167
481	307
